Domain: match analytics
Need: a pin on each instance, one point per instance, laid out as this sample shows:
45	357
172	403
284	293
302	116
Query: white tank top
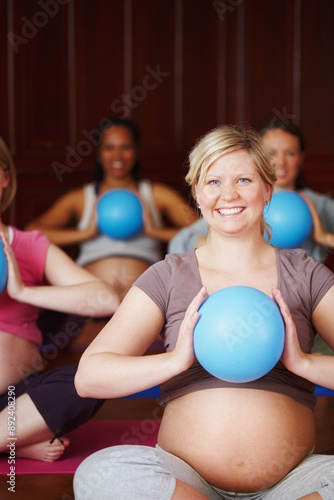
141	247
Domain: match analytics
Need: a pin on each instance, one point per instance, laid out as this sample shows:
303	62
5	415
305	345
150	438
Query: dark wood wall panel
99	60
153	76
41	79
200	28
5	72
269	62
318	77
177	67
317	104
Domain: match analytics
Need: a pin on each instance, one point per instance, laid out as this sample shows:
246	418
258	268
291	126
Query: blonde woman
217	439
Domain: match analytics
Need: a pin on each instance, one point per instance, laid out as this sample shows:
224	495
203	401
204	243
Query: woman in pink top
217	439
46	403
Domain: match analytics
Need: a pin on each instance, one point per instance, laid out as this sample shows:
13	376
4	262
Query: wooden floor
59	486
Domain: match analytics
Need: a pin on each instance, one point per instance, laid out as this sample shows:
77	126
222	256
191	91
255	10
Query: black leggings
55	397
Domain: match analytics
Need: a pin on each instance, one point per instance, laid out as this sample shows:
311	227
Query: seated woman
286	146
217	439
47	405
119	262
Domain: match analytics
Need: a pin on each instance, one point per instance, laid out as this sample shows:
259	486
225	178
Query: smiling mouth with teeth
117	164
230	211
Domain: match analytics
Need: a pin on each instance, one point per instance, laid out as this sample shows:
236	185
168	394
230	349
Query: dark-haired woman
286	146
118	262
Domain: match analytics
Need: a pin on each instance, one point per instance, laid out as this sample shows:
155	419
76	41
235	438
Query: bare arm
316	368
54	222
320	235
113	365
74	289
171	204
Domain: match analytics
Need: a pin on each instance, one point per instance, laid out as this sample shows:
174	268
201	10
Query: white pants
129	472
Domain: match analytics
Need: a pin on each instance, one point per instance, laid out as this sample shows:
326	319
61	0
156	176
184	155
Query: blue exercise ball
290	219
119	214
3	268
239	336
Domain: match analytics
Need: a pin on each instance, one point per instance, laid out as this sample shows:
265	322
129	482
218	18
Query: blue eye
243	180
214	182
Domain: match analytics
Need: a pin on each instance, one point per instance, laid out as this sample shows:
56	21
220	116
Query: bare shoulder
71	202
162	189
75	196
69	205
165	194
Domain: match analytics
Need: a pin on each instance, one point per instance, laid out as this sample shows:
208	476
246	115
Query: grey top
187	237
174	282
139	247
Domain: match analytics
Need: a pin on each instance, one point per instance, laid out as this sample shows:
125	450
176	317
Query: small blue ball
3	268
290	219
119	214
239	336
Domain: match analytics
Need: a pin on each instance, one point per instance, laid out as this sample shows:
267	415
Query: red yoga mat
85	440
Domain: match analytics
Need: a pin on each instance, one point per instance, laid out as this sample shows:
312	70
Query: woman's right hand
92	230
183	353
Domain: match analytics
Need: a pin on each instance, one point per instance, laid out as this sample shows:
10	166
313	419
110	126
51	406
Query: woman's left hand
292	354
319	233
15	285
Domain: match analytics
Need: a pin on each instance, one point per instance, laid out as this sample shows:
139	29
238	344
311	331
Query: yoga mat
323	391
153	392
85	440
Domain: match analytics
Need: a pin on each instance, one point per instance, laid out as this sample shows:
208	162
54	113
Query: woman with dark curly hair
119	262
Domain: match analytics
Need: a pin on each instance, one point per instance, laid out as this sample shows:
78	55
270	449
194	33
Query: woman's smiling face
233	195
285	152
118	152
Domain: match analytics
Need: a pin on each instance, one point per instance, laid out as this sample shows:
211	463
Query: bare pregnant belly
119	272
240	440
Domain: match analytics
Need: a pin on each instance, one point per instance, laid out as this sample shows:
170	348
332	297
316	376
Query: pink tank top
18	318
